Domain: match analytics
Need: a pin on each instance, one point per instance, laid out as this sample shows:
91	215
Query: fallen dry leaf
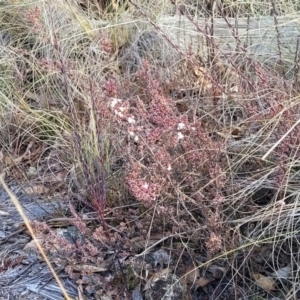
203	281
139	243
194	277
266	283
283	273
31	246
57	177
81	293
192	274
90	268
158	275
8	161
217	271
37	189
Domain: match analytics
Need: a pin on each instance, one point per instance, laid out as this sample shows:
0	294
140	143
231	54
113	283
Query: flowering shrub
171	154
169	151
181	134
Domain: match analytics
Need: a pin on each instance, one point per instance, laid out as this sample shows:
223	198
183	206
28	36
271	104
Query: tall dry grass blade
280	140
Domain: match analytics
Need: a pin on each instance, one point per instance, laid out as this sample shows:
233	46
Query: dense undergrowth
194	151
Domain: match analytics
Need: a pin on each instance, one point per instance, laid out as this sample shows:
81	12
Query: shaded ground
23	275
163	271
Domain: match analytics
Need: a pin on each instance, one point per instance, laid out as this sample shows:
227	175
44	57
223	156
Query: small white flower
113	102
180	135
131	133
122	109
119	114
131	120
145	186
224	97
169	168
180	126
136	138
280	203
234	89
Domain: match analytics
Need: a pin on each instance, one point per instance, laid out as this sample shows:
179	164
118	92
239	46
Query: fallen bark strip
268	39
258	36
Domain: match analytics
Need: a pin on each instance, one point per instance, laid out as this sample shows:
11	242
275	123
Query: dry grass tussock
172	134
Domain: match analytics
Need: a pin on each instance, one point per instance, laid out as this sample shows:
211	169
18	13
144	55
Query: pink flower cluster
143	190
167	150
